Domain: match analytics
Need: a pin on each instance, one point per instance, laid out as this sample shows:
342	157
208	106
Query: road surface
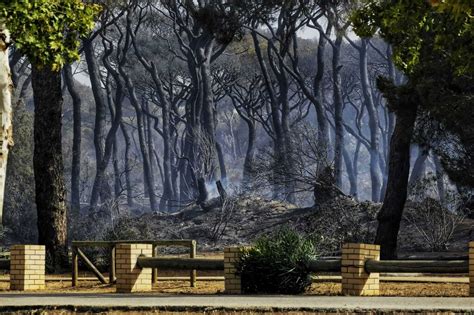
149	302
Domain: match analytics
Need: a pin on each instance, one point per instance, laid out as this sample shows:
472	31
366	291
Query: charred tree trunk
128	181
250	154
76	142
101	189
115	161
220	156
439	179
338	111
350	173
323	126
373	120
403	102
48	165
148	175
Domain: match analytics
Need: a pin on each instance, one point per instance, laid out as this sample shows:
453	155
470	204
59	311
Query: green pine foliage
412	25
48	31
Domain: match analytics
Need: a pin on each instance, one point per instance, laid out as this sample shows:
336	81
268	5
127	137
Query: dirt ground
216	287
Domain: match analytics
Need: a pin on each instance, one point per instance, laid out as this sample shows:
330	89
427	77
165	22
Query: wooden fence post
471	269
193	273
75	266
112	265
154	272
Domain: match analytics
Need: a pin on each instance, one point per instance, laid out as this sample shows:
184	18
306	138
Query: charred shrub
277	264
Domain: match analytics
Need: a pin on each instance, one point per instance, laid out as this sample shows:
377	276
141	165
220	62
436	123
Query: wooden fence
330	265
110	246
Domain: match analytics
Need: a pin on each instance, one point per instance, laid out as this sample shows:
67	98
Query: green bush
277	264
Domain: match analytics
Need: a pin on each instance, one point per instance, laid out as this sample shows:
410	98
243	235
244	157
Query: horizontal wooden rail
332	265
183	243
416	266
4	264
181	263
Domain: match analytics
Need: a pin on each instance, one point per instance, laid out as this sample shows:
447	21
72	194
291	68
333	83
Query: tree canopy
48	31
432	44
412	26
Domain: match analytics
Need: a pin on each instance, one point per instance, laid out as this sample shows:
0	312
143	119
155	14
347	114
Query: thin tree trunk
117	181
128	181
350	174
220	156
439	179
250	154
100	121
390	215
338	111
76	142
148	175
373	121
323	126
48	165
6	89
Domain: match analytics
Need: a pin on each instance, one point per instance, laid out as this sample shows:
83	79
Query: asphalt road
143	302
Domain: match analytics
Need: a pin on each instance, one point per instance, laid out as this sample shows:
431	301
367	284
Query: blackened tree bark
439	179
403	102
169	193
147	173
101	189
48	165
128	168
373	116
351	174
323	127
338	110
76	142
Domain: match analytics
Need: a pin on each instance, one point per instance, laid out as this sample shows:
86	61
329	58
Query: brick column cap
361	246
37	247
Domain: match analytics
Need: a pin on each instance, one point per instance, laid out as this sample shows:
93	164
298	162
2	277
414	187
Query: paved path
143	302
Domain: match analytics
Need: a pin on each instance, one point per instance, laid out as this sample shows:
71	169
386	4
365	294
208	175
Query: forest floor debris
243	219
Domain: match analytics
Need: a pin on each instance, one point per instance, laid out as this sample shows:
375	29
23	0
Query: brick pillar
27	267
355	281
232	279
471	269
130	277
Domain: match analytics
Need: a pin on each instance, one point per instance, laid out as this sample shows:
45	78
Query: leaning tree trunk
404	105
48	165
76	142
6	87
